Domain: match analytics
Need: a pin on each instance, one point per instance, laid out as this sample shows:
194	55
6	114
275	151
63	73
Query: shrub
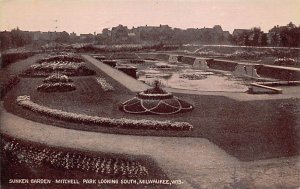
8	58
12	81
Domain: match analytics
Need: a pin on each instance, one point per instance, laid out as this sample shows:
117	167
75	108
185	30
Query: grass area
28	160
9	75
248	130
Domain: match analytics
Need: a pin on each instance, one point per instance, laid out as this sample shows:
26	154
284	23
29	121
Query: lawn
247	130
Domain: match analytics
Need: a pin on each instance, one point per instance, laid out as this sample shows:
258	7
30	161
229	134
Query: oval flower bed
25	102
56	87
66	68
65	58
57	78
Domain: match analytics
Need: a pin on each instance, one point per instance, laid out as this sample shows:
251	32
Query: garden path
129	82
197	161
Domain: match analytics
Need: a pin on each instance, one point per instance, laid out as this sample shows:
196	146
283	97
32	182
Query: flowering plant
40	155
56	87
104	84
25	102
57	78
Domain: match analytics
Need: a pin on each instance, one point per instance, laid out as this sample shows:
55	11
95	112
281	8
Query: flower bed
36	156
192	76
64	58
144	95
286	61
47	69
104	84
57	78
56	87
154	93
57	65
25	102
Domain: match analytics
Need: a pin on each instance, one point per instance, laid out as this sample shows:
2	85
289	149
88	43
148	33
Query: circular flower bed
57	78
155	101
56	87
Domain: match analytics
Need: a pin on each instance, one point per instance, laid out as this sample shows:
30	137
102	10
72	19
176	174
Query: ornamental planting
104	165
25	102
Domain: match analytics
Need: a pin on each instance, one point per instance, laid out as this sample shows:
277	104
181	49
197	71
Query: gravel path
197	161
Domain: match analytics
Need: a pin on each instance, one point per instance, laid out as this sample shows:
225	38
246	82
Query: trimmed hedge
8	58
13	80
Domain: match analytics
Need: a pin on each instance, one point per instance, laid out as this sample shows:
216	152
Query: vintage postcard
183	94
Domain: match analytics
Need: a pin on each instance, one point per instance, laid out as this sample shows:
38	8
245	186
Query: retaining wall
261	70
227	65
262	89
278	73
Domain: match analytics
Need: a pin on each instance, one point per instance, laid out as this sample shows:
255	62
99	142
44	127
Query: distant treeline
285	36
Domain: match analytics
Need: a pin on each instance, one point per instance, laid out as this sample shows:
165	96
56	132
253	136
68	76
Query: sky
89	16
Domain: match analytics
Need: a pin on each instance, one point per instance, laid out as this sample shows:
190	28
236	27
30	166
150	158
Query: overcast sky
88	16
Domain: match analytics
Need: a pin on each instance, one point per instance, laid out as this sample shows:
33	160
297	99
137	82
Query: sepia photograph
150	94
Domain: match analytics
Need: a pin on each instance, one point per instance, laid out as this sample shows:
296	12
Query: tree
264	39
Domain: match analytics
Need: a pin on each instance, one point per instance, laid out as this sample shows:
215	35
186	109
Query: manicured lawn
248	130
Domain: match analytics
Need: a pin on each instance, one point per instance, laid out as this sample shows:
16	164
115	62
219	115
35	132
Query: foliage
12	81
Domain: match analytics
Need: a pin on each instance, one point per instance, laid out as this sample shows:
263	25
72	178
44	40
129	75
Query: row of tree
286	36
283	36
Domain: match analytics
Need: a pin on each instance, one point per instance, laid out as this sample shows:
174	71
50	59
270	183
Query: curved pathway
197	161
